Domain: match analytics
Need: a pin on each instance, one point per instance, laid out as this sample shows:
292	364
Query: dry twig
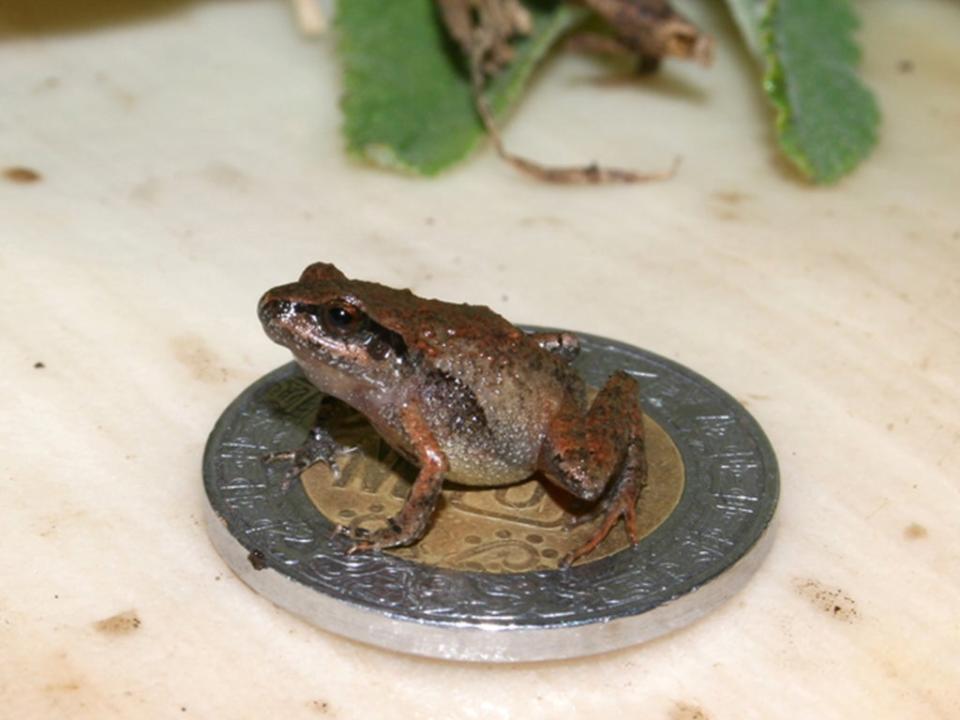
646	29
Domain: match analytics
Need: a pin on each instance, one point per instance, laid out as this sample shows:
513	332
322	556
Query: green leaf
826	119
407	101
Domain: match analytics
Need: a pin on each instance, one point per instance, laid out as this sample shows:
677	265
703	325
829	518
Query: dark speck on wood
22	175
258	560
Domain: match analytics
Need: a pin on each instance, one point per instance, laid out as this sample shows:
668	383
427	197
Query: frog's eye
341	319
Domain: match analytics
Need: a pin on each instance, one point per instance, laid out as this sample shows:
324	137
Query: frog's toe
586	518
359	547
621	505
354	533
361	538
292	473
282	455
392	535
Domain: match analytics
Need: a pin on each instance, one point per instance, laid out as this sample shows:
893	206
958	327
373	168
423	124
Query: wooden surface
188	158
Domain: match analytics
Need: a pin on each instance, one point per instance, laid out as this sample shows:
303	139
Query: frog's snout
276	308
271	306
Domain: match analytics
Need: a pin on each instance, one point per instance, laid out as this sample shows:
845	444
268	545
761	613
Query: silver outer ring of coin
699	557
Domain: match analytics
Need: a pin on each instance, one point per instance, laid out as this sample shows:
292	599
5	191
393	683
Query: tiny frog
462	393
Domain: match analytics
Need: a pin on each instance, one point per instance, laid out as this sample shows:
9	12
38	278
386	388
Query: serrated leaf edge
775	84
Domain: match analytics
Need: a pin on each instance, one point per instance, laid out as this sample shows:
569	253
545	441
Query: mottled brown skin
461	392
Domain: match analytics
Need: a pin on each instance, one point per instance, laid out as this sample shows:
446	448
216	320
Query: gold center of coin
498	530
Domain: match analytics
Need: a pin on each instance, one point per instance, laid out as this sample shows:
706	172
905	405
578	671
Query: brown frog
462	393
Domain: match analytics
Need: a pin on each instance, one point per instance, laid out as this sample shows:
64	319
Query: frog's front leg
599	456
319	447
410	524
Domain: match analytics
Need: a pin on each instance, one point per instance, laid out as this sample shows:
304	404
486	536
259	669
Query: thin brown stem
591	174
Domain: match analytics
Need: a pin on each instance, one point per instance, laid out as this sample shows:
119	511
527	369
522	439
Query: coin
483	584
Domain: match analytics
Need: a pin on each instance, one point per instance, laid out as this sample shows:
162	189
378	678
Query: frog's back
490	398
487	390
435	327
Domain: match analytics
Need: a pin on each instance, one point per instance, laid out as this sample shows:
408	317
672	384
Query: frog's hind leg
599	456
620	501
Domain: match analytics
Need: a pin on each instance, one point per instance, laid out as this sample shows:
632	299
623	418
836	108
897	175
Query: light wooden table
190	158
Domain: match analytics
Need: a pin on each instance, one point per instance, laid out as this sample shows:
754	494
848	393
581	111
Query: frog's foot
620	502
622	505
393	534
319	447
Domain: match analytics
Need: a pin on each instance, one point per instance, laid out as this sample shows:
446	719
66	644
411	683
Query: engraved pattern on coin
729	496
